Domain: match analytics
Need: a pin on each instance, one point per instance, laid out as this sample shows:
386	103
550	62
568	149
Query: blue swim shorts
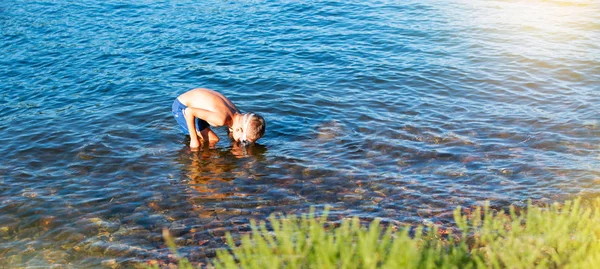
177	109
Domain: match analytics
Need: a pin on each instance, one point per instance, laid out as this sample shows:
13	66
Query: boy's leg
208	135
204	132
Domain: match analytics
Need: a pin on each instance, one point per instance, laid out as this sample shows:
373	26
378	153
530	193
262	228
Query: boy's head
250	128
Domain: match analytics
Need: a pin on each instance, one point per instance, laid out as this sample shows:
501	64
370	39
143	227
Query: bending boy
198	109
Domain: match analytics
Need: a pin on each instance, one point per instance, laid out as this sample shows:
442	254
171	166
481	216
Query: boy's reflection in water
211	168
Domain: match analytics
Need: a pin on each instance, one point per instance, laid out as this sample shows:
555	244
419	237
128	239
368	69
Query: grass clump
305	242
557	236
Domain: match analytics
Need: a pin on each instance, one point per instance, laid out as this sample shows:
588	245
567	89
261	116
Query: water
399	110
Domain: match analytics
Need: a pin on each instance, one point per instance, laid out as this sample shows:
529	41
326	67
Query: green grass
558	236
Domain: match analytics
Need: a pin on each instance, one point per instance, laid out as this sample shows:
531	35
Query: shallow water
399	110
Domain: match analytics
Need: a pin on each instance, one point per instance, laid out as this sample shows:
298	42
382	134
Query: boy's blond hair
255	127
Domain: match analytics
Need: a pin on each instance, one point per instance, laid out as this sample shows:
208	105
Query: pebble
235	211
427	222
72	240
181	241
389	212
201	236
117	250
134	230
135	217
29	194
4	232
371	208
156	237
156	220
424	212
104	226
244	228
506	172
177	229
197	255
96	247
219	231
219	209
377	199
110	263
139	231
360	190
352	197
239	220
56	257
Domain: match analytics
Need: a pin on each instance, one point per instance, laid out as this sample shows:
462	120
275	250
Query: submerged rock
136	230
121	250
329	131
56	256
29	233
110	263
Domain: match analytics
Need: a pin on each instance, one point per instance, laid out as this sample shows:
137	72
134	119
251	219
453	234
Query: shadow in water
211	166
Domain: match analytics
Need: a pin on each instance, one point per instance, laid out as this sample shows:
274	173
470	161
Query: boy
198	109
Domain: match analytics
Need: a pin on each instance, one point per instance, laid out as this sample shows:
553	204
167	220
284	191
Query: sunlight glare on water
554	22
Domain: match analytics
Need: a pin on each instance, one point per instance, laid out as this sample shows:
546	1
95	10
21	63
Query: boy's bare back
211	101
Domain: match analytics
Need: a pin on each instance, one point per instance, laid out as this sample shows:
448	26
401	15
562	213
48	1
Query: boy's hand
194	144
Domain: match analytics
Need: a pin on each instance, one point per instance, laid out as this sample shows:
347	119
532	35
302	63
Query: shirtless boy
198	109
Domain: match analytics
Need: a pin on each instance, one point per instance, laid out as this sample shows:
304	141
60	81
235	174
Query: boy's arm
191	124
209	116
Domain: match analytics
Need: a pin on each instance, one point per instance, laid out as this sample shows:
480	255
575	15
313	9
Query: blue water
399	110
